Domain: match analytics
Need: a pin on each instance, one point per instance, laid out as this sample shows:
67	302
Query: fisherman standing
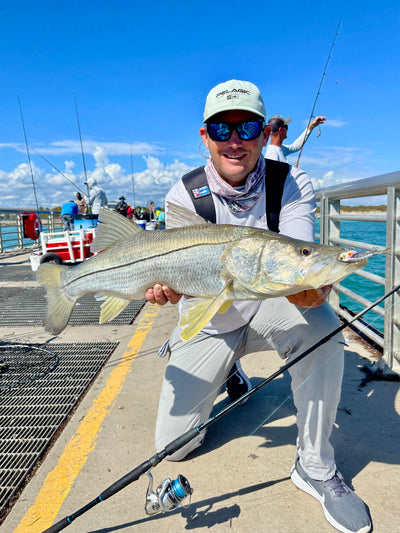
97	197
279	127
68	211
122	206
235	182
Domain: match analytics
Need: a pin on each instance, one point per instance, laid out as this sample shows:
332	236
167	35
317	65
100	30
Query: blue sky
140	72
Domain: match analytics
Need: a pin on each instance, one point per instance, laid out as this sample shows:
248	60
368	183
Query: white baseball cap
234	94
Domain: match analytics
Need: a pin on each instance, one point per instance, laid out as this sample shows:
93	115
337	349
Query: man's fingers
161	294
172	296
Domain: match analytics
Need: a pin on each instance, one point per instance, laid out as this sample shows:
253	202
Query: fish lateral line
137	261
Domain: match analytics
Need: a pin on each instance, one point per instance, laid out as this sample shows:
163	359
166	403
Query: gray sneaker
343	509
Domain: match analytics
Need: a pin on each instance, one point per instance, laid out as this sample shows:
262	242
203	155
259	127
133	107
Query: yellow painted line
59	481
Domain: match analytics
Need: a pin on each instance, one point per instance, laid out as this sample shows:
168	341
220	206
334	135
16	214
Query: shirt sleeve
297	217
297	144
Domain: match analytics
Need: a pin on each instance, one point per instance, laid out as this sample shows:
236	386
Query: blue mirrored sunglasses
247	130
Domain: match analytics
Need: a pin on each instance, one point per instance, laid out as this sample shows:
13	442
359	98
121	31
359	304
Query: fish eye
305	251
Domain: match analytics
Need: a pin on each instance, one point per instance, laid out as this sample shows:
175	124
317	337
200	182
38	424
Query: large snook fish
216	263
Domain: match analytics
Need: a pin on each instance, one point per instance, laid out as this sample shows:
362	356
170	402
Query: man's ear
204	135
266	134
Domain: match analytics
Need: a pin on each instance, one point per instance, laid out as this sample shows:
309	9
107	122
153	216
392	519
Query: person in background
97	197
122	206
235	134
129	212
161	219
81	203
152	211
279	127
144	214
68	211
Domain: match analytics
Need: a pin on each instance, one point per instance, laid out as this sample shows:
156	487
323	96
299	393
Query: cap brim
241	108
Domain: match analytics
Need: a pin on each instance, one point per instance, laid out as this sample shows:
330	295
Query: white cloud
334	123
110	148
53	188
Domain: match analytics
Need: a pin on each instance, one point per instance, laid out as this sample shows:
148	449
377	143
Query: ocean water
372	233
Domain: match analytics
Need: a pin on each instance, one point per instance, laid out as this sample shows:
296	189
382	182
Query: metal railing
12	229
329	200
331	215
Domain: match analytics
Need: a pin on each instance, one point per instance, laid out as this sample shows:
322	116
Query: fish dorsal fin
199	311
112	227
178	216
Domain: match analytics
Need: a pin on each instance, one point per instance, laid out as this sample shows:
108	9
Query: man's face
234	159
283	132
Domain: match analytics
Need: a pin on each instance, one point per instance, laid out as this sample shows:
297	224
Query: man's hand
316	122
161	294
310	298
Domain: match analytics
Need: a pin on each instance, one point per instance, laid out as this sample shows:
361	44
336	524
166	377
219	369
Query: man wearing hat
97	196
122	206
279	127
236	177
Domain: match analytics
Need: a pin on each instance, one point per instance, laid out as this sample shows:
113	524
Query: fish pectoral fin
224	307
199	311
111	308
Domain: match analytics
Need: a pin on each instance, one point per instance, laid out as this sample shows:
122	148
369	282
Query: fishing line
23	363
80	137
267	344
325	361
319	90
28	154
189	435
133	179
290	396
59	171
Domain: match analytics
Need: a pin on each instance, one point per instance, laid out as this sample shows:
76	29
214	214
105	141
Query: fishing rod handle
62	524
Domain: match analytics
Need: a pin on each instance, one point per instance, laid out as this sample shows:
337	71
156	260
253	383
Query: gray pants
68	222
197	369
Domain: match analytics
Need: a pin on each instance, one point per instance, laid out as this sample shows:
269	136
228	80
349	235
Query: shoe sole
304	486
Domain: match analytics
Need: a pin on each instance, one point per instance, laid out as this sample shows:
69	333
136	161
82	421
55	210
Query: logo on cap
234	93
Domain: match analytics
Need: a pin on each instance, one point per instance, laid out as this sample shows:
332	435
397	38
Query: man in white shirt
97	197
279	127
235	133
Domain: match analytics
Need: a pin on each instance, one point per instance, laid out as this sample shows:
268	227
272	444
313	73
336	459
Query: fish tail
59	307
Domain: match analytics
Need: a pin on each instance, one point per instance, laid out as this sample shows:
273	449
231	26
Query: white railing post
391	348
332	230
20	230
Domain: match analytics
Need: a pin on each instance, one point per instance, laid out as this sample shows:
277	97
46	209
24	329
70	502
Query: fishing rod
29	157
319	90
59	171
80	137
133	180
170	494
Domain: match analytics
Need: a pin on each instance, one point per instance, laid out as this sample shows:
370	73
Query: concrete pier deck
240	476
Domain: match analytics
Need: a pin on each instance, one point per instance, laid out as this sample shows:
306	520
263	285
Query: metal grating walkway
27	307
31	413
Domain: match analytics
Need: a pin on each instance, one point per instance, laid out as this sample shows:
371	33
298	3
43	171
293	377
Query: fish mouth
355	256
